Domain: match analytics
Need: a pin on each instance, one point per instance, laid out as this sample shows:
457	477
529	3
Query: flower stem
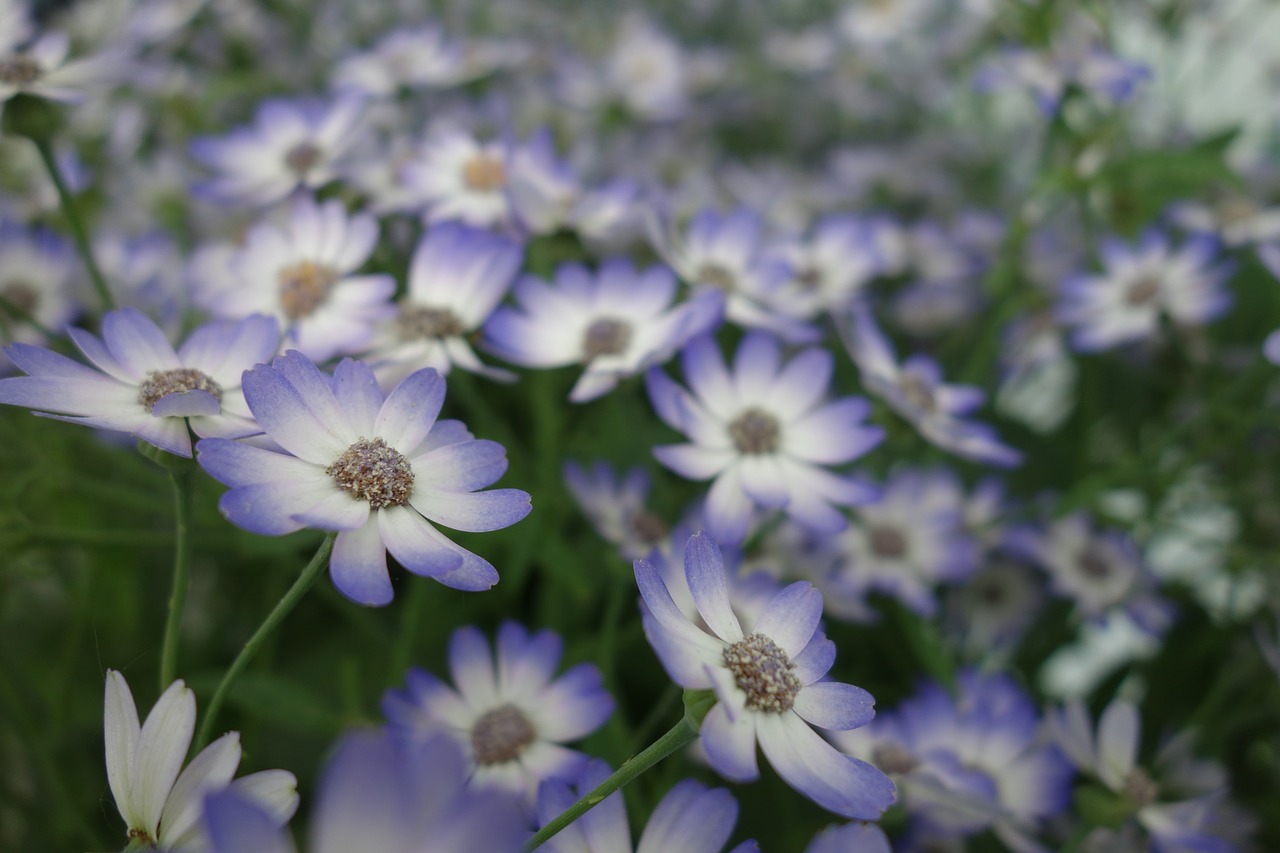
73	218
286	604
681	734
181	479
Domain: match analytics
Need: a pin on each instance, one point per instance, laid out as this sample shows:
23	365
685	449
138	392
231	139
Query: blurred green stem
45	147
282	609
181	479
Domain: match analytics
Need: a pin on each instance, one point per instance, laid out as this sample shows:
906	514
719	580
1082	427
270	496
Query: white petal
120	724
162	747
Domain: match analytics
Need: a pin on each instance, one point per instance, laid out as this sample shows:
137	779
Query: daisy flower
377	469
455	176
291	144
37	269
39	67
160	802
767	683
142	385
511	718
763	435
617	321
304	273
615	505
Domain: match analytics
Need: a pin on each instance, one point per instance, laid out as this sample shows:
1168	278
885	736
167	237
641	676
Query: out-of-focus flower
1270	255
831	266
160	802
37	64
1236	220
291	144
915	390
1139	285
142	385
379	469
616	506
767	684
36	274
303	273
455	176
690	818
1075	60
969	762
457	277
421	57
763	434
512	718
1180	800
617	322
382	792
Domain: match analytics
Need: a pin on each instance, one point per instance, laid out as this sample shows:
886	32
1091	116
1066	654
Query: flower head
510	719
767	683
159	801
379	469
144	386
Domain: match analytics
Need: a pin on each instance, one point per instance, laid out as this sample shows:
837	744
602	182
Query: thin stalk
73	218
181	480
282	609
681	734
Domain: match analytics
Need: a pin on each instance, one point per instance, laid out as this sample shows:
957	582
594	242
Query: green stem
681	734
274	618
73	218
417	600
181	557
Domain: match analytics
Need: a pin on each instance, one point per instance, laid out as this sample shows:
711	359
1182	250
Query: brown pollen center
764	672
756	431
887	541
501	735
718	277
917	392
161	383
304	286
375	472
1142	291
648	526
605	337
302	158
21	296
19	70
1093	565
414	322
484	173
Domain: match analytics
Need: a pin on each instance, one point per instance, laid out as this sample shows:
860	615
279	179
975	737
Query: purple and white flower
422	57
615	505
457	277
385	793
1270	256
304	273
37	269
767	683
379	469
143	386
38	66
763	434
511	718
455	176
160	802
831	266
618	322
291	144
915	390
1139	285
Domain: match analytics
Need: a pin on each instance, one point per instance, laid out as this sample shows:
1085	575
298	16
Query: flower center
304	286
718	277
894	758
755	431
649	527
21	298
501	735
1093	565
374	472
161	383
1233	211
917	392
887	542
418	321
1143	291
139	835
19	70
764	672
810	278
1139	788
605	337
302	158
484	173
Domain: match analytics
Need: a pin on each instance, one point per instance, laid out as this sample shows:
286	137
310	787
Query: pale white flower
160	802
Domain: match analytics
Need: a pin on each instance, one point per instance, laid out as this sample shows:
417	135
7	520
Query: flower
455	176
36	272
766	682
1139	285
510	720
615	505
142	385
410	57
377	469
291	144
916	391
761	433
458	275
690	818
617	322
38	66
383	793
303	274
160	805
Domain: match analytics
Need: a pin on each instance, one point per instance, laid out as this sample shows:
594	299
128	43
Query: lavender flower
455	176
767	683
36	273
378	469
762	433
615	505
142	385
510	720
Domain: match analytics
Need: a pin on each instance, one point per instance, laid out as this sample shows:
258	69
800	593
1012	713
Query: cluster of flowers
873	371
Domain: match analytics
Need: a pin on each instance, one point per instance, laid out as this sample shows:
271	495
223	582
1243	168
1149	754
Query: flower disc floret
606	337
19	70
302	158
304	287
372	471
756	431
416	322
501	734
764	672
161	383
484	173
